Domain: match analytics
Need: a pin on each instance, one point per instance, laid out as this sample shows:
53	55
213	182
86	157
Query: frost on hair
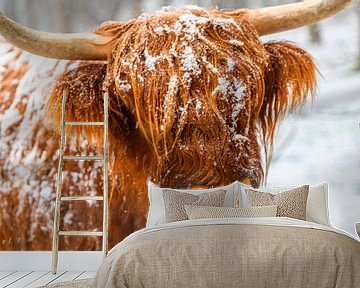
197	84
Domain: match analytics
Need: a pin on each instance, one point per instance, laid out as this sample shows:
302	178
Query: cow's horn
77	46
286	17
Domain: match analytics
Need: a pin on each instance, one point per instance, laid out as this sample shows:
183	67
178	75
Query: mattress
237	252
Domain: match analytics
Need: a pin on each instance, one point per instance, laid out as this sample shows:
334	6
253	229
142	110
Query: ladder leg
105	202
55	243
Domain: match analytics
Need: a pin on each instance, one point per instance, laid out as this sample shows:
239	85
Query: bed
234	252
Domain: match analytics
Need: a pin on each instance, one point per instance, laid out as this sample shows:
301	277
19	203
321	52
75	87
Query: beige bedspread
234	254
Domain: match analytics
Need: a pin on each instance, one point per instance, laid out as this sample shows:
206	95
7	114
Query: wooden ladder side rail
106	177
60	198
55	243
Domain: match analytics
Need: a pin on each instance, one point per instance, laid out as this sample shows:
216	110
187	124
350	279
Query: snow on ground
323	142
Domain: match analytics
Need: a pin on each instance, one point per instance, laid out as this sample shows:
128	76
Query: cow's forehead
189	46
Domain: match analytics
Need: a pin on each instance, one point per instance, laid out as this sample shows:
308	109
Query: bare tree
23	11
358	58
163	3
137	8
218	4
60	23
315	35
254	3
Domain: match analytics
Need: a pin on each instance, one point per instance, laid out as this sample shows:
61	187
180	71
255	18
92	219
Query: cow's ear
112	31
290	79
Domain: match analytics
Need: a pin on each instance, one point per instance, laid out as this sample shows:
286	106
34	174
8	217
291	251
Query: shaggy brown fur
201	86
129	155
195	98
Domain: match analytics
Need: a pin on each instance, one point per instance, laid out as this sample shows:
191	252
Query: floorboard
68	276
34	279
87	275
12	278
5	274
28	279
46	279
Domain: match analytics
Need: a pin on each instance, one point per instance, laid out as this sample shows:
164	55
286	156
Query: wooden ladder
59	198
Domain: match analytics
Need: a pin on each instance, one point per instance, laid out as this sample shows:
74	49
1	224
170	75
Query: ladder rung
76	198
84	123
103	157
80	158
80	233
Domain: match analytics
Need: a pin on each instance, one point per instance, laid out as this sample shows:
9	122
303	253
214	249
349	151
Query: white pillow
156	213
317	207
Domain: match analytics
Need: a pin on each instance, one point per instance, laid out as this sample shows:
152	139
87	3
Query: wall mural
195	98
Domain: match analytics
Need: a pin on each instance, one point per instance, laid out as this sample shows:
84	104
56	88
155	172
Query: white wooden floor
32	269
32	279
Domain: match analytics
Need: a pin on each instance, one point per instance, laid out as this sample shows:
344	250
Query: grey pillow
291	203
201	212
175	202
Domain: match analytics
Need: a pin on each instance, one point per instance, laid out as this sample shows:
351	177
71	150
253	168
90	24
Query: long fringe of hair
199	90
195	99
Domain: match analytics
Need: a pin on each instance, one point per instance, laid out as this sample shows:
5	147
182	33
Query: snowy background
322	143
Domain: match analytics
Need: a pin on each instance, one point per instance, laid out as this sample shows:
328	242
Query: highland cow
195	98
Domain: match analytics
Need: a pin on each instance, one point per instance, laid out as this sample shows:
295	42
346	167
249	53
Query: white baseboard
41	260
